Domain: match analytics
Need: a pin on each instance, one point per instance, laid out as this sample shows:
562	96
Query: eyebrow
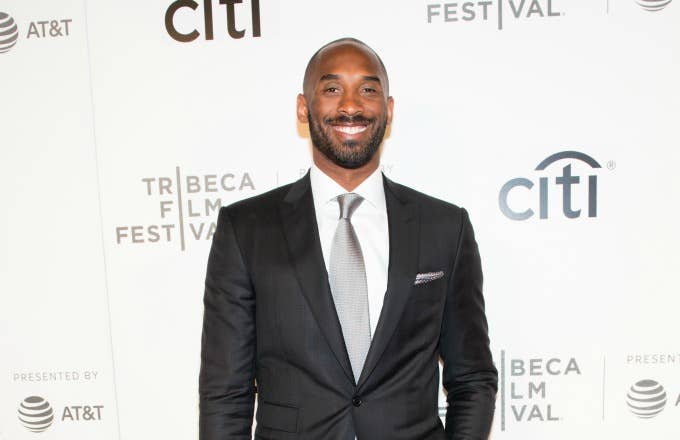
331	76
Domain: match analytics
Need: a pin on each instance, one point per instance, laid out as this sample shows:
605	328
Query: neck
347	178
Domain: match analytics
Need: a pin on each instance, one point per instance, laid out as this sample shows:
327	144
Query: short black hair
350	40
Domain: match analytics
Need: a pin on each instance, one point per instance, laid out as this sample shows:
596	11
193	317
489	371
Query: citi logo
9	33
36	414
187	10
646	398
569	183
653	5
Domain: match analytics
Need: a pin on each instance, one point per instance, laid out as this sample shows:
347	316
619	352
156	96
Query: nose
350	104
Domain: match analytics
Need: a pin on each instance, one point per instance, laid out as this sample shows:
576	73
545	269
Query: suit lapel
302	236
404	225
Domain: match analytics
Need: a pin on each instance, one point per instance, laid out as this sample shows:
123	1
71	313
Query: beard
349	154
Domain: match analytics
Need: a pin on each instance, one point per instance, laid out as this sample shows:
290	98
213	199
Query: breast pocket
429	286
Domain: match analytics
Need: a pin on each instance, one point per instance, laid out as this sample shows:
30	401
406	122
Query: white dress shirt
370	224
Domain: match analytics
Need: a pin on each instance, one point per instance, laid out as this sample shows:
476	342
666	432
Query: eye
370	91
331	89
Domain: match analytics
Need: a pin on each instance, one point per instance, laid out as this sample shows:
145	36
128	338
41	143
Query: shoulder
266	205
431	207
260	206
261	201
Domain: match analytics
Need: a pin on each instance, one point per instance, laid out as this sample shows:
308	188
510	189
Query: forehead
347	59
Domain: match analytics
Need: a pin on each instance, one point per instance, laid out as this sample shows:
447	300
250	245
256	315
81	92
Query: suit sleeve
469	376
227	377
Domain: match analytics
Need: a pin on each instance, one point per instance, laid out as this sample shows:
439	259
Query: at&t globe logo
36	414
646	398
9	33
653	5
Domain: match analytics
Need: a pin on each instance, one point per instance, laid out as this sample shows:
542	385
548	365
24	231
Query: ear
390	108
302	109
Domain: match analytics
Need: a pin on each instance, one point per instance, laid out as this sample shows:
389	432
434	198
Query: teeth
350	129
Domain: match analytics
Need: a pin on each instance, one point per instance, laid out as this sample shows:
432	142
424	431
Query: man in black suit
338	325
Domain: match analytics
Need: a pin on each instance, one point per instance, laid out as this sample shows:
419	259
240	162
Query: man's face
346	104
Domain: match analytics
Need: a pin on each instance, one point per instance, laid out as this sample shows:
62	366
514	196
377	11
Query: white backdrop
118	143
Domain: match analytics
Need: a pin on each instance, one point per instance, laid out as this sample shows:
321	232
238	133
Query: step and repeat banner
124	126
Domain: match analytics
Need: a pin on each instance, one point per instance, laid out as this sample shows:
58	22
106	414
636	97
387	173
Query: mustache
344	120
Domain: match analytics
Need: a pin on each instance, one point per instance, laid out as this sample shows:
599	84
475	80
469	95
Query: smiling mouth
350	129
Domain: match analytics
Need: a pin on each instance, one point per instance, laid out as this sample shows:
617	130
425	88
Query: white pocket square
426	277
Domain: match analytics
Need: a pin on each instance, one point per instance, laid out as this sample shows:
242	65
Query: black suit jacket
270	320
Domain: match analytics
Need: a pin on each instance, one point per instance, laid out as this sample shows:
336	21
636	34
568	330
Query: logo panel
187	206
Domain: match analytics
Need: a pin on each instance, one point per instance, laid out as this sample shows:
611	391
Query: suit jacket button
356	401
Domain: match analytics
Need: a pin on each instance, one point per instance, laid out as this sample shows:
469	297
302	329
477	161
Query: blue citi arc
566	180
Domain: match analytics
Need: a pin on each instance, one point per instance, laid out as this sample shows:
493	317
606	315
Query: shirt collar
325	189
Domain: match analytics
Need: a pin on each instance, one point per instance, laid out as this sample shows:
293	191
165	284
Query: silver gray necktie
348	284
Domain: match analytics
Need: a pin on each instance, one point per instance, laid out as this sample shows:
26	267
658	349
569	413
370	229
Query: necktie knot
349	202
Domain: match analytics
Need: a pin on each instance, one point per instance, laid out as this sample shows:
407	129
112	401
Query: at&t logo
233	8
36	414
646	398
9	33
568	181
